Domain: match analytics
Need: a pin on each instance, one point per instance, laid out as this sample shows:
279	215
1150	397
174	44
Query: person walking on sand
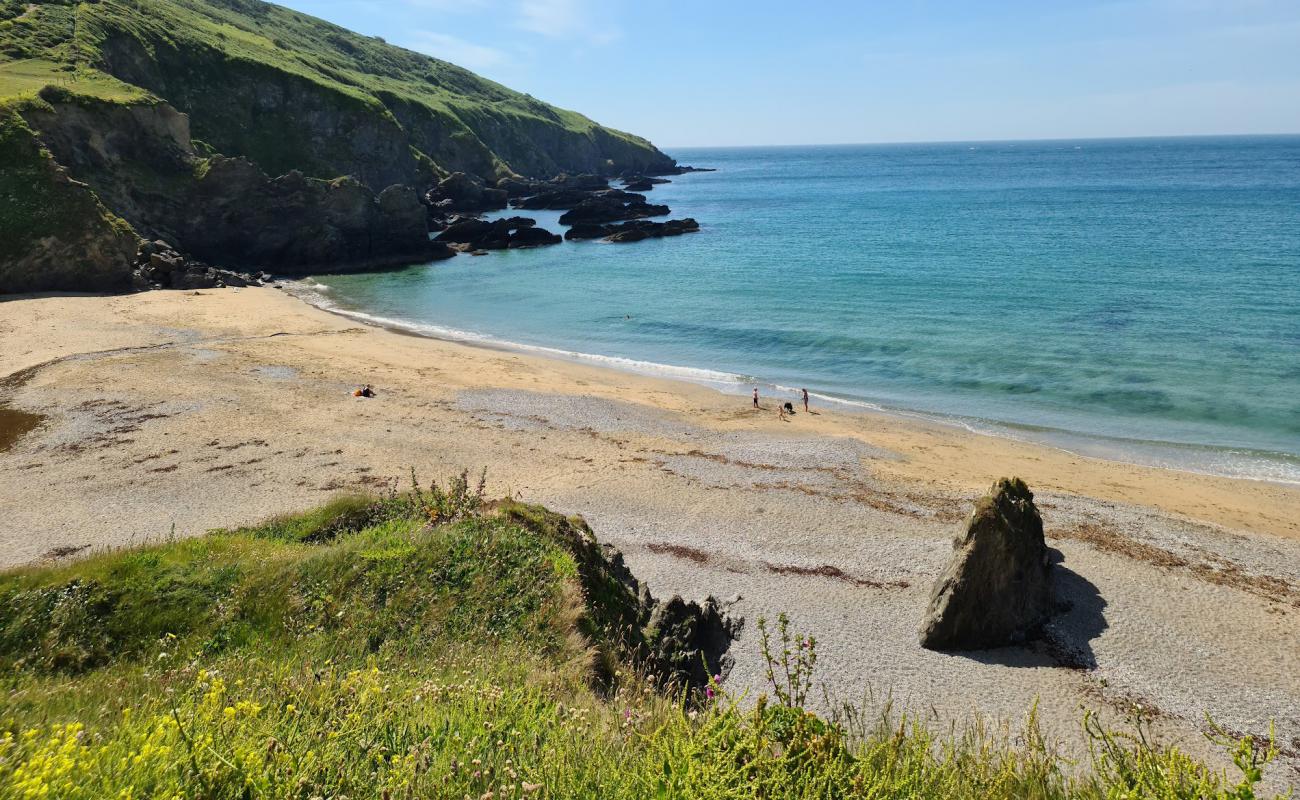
755	397
805	400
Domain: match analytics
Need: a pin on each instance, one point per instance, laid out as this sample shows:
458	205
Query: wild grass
26	78
426	644
215	58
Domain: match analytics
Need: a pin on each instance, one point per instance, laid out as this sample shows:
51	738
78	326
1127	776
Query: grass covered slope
433	647
293	92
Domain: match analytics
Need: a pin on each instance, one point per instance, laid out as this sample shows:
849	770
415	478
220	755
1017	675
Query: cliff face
55	235
247	135
292	92
139	158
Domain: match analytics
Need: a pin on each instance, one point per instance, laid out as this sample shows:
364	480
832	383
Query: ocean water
1132	299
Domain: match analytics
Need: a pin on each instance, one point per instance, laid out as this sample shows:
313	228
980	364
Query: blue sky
717	72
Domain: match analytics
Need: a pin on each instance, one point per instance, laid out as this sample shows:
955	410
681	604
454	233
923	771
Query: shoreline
926	450
1143	452
173	413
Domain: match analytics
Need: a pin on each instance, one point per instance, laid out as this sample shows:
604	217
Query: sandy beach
171	413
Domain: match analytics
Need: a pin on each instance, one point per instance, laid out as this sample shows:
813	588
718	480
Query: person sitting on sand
364	391
788	408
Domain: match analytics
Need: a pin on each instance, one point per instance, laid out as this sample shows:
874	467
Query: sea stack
997	588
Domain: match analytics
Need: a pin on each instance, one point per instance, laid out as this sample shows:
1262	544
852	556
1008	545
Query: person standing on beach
755	397
805	400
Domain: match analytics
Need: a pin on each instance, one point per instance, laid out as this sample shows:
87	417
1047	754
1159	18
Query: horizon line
980	141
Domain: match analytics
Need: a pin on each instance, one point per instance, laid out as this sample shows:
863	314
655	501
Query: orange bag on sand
356	392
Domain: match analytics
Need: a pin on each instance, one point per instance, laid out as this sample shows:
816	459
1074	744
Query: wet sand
193	411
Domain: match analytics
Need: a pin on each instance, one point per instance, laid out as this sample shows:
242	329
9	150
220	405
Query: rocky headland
163	153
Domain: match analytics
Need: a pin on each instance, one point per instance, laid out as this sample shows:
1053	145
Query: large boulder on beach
997	588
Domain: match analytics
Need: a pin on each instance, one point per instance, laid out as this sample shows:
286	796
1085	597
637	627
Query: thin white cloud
569	19
457	51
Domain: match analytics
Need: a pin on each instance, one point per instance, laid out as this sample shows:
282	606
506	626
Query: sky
718	72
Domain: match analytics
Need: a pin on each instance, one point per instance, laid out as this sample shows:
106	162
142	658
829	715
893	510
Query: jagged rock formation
227	211
997	588
461	192
611	206
55	234
512	232
681	642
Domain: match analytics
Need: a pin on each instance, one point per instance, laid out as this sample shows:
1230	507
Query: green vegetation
293	92
433	645
54	233
24	80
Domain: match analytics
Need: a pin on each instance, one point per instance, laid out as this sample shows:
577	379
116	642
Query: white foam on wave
311	294
1201	460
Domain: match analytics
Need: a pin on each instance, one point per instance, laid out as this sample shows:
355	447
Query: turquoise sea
1133	299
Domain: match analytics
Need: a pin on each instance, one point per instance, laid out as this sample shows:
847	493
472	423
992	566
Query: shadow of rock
1066	639
1068	635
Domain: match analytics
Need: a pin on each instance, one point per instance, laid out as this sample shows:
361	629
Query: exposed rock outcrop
682	643
461	192
471	233
633	231
159	266
552	199
227	211
997	588
55	234
612	206
642	183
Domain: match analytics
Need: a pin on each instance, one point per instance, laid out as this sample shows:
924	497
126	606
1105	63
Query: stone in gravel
997	588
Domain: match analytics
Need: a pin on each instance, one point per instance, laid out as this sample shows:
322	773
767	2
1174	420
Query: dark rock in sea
674	169
533	237
584	182
642	183
627	235
587	230
633	230
514	223
461	192
611	207
553	199
470	234
997	588
515	186
464	230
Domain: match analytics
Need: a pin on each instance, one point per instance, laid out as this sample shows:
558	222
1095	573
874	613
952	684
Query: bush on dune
430	644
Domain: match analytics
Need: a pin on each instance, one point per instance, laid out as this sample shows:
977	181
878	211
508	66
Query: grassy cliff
439	648
290	91
54	232
133	100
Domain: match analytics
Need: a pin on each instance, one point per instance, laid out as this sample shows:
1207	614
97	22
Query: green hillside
290	91
438	647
